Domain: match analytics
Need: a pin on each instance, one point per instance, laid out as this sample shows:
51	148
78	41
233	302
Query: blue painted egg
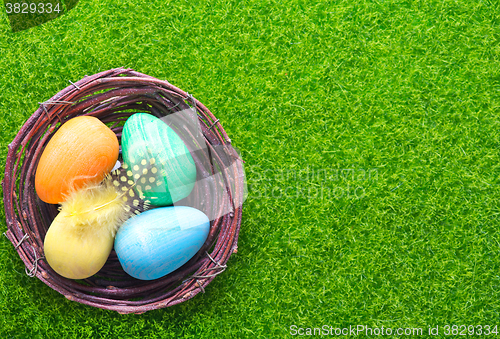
159	241
158	159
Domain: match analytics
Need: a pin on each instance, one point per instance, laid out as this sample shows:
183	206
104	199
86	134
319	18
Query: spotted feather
124	181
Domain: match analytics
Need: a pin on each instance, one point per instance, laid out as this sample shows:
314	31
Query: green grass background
370	135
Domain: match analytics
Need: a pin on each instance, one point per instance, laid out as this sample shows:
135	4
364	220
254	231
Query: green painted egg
157	159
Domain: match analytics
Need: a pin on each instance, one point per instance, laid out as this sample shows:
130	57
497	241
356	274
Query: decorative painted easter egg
158	159
81	236
159	241
76	250
82	151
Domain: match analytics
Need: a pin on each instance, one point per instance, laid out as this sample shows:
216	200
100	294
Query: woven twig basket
112	96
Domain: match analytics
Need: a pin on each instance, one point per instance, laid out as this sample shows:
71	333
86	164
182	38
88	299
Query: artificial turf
370	135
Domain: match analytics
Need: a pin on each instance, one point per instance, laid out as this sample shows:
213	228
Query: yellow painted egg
81	152
77	250
81	236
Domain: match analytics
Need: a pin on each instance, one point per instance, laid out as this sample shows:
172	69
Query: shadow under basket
112	96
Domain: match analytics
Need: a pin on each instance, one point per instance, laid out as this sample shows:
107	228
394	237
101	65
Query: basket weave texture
112	96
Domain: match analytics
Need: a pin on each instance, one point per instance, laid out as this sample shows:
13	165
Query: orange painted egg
82	151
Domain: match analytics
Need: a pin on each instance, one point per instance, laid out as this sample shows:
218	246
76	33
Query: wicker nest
112	96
